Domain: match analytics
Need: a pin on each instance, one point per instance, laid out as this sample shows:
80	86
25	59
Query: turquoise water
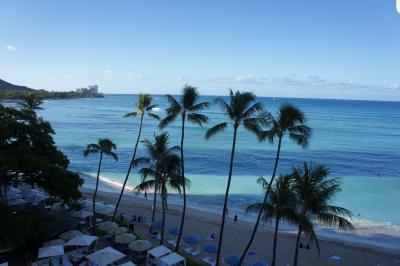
355	139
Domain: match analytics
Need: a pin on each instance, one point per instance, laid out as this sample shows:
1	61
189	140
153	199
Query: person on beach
145	194
235	219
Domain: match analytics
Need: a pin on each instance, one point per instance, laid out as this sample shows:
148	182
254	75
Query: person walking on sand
235	219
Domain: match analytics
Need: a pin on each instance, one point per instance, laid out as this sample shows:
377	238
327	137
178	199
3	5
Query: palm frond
199	107
216	129
198	119
130	114
154	116
167	120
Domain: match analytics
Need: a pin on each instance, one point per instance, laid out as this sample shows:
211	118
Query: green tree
104	147
32	102
314	192
241	110
144	106
164	171
289	121
187	108
28	155
281	204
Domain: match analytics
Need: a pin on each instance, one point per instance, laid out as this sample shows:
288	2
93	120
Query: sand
236	237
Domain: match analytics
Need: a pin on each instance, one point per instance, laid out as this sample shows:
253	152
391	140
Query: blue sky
309	48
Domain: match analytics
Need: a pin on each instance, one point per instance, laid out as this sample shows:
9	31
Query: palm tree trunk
95	194
153	214
130	168
253	234
277	219
296	251
221	231
163	191
184	185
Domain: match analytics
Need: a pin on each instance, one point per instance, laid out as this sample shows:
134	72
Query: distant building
92	90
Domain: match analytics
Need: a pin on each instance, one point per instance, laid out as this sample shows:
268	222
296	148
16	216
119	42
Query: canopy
70	234
159	251
119	230
192	239
108	225
82	214
129	263
210	248
125	238
81	240
157	224
105	256
16	202
174	231
54	242
51	251
259	263
171	259
232	259
140	245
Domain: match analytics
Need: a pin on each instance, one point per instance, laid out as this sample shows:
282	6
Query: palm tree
280	204
241	110
31	102
186	107
106	147
164	171
144	107
289	121
314	193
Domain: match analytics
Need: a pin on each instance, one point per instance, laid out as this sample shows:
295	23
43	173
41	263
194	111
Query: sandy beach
236	236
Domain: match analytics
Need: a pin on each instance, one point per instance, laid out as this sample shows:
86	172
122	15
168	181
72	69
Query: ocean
359	141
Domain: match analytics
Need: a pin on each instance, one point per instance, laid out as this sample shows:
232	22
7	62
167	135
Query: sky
309	49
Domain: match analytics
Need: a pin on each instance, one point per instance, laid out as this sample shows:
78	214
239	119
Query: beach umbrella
232	259
54	242
119	230
108	225
192	239
70	234
210	248
50	251
259	263
81	240
125	238
105	256
157	224
174	231
140	245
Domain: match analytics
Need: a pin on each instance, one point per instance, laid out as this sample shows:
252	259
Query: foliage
6	94
28	154
15	231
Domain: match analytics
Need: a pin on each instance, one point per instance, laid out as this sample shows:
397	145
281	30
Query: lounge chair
209	261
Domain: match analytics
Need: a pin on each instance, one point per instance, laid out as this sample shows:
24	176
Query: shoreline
204	222
236	236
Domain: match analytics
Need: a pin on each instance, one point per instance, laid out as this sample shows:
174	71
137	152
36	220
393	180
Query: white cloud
11	48
107	72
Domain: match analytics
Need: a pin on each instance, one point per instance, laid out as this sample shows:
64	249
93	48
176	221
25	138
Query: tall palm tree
31	102
164	171
314	193
281	204
144	107
289	121
104	147
186	107
241	110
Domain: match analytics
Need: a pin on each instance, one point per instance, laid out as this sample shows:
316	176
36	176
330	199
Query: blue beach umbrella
210	248
232	259
259	263
157	224
174	231
192	239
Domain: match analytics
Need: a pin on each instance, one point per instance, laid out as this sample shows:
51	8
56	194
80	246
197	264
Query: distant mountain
10	91
4	85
